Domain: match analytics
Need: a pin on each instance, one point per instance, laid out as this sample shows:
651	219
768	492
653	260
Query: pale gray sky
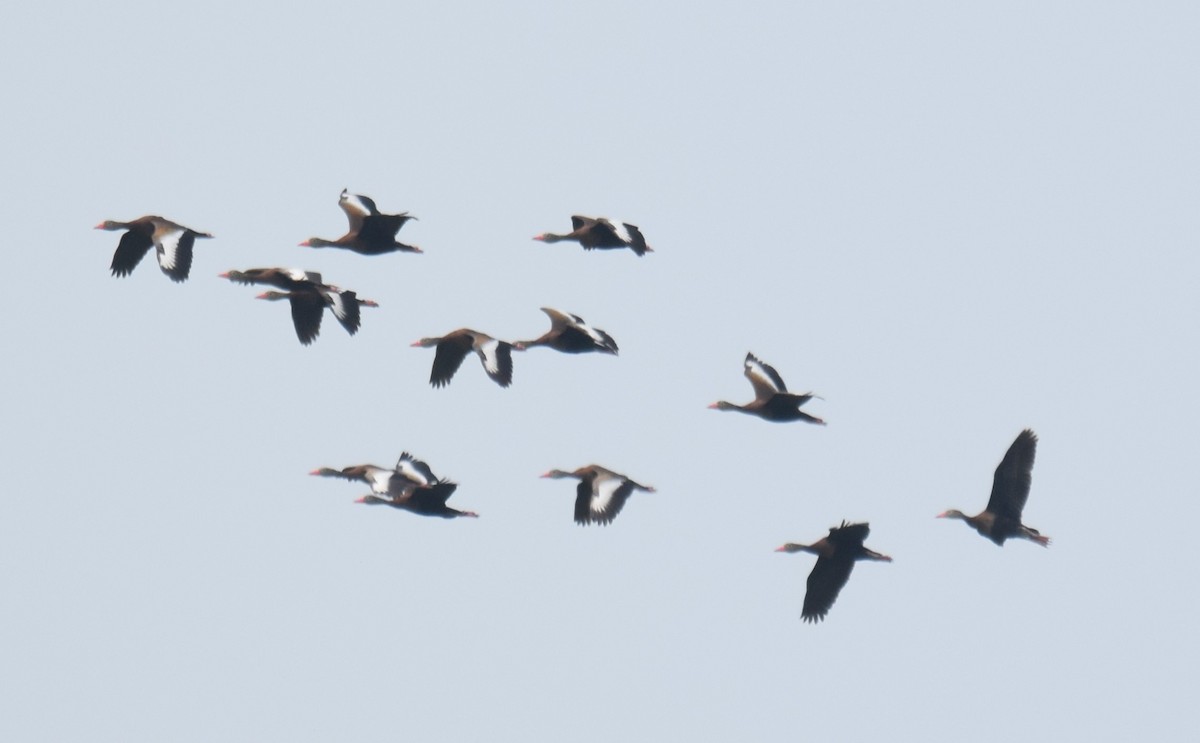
951	220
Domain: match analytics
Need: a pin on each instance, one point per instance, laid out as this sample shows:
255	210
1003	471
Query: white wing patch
559	317
297	274
619	228
379	478
603	491
592	333
355	203
337	303
760	376
406	469
491	360
168	249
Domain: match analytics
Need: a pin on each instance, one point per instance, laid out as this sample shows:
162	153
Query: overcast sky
951	220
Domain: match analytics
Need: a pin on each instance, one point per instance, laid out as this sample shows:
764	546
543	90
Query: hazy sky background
951	220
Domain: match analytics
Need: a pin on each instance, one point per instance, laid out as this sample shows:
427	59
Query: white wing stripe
337	304
603	490
622	232
355	203
595	336
491	360
379	478
168	249
755	368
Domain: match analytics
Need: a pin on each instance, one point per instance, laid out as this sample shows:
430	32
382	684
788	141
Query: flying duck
172	244
771	401
371	232
570	334
601	234
601	493
1001	519
308	296
836	555
452	348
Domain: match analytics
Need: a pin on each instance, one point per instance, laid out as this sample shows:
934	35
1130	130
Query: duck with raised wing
1001	519
601	493
836	555
570	334
452	348
771	401
172	244
601	234
371	231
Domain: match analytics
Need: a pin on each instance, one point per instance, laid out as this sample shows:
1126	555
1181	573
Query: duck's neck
522	345
793	547
724	405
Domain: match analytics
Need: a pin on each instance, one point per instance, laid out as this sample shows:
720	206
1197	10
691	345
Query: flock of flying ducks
601	494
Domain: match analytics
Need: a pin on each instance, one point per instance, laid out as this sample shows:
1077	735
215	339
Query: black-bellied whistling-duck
601	493
601	234
308	296
172	243
408	468
372	474
1010	489
280	278
570	334
371	232
308	307
424	500
771	401
452	348
836	555
410	486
